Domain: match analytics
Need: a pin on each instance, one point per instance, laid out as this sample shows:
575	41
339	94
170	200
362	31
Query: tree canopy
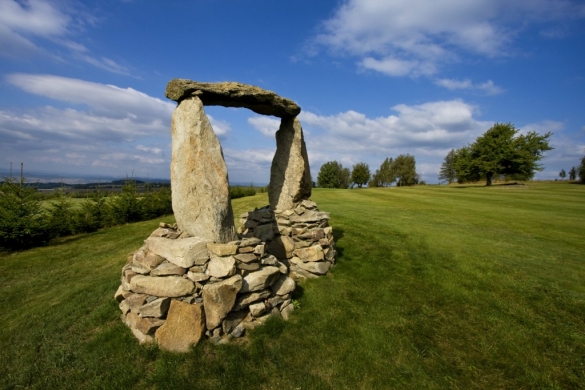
401	169
333	175
360	174
581	171
501	151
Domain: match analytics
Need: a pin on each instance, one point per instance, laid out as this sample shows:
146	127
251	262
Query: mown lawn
435	287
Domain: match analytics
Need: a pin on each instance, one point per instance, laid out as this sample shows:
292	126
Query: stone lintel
232	94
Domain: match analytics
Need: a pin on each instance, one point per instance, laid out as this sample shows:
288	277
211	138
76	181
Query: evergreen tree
572	173
562	174
22	218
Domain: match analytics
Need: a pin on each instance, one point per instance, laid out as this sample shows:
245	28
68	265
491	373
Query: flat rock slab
232	94
167	286
184	327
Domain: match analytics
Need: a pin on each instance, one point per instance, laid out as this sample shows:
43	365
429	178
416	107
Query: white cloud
266	125
414	37
220	127
146	149
33	17
25	26
109	126
104	100
488	87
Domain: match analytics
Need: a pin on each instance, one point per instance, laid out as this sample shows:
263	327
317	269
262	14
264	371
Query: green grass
436	287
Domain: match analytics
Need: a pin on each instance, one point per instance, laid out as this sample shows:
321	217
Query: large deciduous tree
333	175
581	171
360	174
501	151
572	173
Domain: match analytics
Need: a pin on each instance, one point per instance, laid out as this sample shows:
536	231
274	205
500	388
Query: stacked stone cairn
199	278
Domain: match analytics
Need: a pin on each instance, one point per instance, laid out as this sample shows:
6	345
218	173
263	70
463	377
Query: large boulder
232	94
199	178
185	325
290	176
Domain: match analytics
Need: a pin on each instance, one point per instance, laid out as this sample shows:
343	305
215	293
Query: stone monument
202	278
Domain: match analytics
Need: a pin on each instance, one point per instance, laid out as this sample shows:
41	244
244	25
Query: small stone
244	300
256	309
147	259
252	241
312	253
232	320
157	308
168	268
185	325
260	250
246	249
275	301
261	279
287	311
124	307
198	268
316	267
239	331
270	260
135	301
219	298
197	276
298	273
222	249
246	257
308	204
221	267
283	285
142	338
248	267
121	294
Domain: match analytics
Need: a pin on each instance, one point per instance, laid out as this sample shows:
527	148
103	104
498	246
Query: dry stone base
177	289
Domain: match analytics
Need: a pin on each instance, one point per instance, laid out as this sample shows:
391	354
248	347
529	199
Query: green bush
241	191
23	221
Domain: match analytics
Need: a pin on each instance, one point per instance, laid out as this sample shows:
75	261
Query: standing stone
290	177
199	178
184	327
219	298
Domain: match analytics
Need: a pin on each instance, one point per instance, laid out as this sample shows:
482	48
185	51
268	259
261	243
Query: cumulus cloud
109	126
488	87
415	37
265	125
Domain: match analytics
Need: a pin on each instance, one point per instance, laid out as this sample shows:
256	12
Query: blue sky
82	83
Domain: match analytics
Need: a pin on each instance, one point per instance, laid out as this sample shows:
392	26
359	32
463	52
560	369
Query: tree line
575	171
400	170
500	152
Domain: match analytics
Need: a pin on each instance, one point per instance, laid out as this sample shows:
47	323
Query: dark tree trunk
489	179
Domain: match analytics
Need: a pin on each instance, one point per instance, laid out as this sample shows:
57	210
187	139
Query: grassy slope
436	287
